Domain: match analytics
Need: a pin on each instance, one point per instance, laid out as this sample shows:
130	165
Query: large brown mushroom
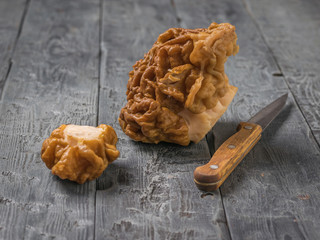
179	90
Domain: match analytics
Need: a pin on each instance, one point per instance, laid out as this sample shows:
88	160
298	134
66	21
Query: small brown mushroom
80	153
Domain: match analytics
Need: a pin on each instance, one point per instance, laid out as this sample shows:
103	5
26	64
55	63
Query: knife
210	176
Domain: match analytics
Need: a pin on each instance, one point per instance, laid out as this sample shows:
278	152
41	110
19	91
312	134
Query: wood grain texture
274	192
53	81
265	194
53	61
148	193
11	19
293	37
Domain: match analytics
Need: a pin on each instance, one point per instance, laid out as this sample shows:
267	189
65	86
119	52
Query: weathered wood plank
11	18
274	192
53	80
291	30
265	195
148	193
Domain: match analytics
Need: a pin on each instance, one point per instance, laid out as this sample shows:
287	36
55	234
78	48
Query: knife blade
210	176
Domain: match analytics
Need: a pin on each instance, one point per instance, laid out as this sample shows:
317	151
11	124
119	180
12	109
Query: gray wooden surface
68	62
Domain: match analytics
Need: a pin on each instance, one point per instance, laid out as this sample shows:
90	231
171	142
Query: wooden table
68	62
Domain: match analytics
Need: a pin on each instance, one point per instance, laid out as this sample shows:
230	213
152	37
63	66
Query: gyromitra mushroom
80	153
179	90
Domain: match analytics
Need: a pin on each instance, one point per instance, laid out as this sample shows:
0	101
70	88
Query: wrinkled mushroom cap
179	90
80	153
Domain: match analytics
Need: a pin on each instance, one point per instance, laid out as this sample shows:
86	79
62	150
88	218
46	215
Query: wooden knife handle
209	177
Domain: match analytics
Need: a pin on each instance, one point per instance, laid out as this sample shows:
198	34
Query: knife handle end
210	176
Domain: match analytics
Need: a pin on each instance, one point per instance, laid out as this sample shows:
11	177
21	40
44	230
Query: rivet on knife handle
209	177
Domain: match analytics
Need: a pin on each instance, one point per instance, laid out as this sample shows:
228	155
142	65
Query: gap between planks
25	10
210	142
281	73
101	74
